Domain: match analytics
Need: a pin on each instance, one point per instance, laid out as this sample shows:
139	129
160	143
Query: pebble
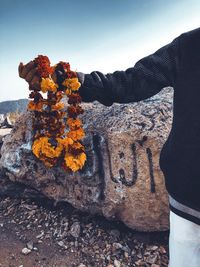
117	263
26	251
75	229
30	245
117	246
62	244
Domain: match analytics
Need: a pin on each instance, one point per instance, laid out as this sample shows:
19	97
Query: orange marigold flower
76	148
72	83
35	106
76	134
58	106
74	123
66	141
75	163
47	84
42	146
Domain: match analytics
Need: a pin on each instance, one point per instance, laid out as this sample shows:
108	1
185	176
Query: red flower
74	98
74	111
43	65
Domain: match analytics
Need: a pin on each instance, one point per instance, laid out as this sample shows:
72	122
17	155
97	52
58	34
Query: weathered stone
121	178
26	251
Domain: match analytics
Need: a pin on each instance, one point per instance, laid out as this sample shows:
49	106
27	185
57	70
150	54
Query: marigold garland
52	144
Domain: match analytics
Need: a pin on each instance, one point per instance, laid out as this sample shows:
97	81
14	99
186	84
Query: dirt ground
35	234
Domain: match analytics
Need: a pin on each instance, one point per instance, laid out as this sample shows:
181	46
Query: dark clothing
176	64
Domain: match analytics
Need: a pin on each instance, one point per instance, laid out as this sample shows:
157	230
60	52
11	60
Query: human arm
146	78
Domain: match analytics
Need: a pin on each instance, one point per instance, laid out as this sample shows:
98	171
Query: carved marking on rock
143	140
97	148
152	180
122	178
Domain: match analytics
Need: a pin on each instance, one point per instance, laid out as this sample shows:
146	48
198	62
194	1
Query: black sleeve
146	78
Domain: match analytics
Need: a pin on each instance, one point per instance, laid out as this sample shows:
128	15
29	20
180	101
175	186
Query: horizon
90	35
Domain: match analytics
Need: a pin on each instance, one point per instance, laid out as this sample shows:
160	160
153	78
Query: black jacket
176	64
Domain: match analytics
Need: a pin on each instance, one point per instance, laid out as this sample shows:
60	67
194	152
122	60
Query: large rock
121	178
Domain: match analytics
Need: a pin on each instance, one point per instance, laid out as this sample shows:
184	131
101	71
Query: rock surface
121	179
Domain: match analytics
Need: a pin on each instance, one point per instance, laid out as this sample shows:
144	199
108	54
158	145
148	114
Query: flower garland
51	143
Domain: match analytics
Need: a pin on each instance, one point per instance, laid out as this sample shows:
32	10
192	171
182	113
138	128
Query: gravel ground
40	234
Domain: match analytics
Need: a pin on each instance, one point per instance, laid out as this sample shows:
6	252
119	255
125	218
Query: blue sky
104	35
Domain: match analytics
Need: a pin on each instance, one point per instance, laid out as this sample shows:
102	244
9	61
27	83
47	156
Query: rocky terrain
39	234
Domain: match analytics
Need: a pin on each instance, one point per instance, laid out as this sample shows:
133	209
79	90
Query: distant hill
13	106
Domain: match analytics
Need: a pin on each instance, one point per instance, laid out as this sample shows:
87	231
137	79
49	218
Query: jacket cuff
89	94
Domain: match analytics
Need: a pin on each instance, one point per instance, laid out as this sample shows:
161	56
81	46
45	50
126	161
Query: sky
103	35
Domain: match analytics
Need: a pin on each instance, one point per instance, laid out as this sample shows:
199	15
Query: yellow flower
75	162
47	84
72	83
76	134
42	147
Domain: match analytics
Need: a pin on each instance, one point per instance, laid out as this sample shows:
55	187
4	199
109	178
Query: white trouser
184	242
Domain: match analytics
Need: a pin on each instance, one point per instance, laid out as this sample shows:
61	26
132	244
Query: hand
29	73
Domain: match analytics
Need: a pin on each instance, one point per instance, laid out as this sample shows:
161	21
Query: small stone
154	248
117	263
117	245
162	250
155	265
30	245
26	251
75	229
82	265
62	244
151	259
40	235
126	255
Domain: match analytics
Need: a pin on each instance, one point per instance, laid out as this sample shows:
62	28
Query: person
177	64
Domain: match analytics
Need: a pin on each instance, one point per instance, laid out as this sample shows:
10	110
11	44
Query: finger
30	74
27	68
20	68
35	83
